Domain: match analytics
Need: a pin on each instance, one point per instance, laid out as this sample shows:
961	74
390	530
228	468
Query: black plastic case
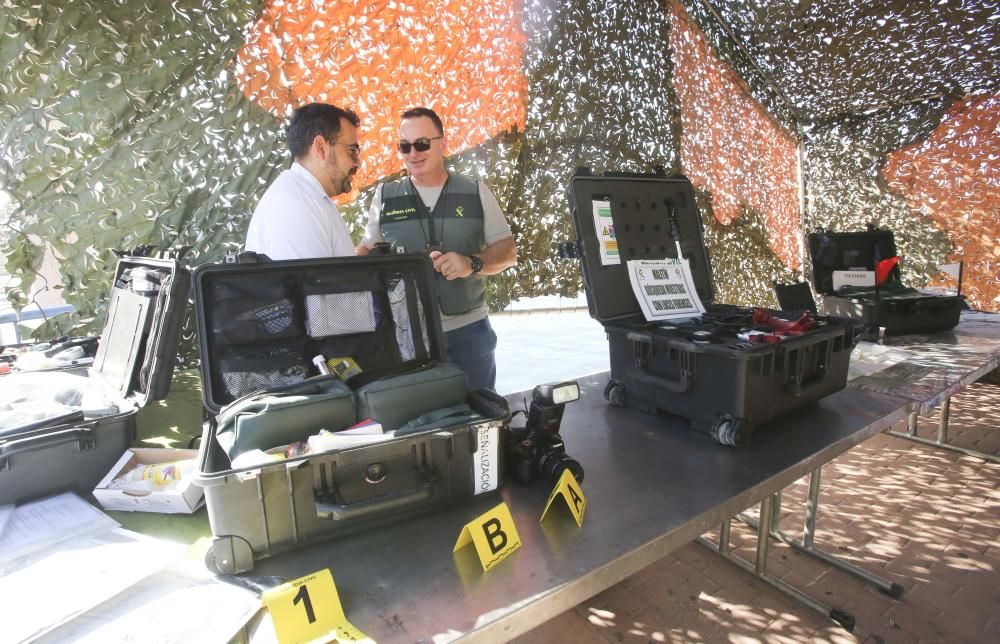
896	309
134	363
263	510
724	387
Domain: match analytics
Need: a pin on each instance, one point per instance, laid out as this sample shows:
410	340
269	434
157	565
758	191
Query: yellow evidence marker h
493	534
308	610
570	491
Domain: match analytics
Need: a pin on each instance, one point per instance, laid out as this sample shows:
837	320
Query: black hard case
256	512
896	309
135	362
723	391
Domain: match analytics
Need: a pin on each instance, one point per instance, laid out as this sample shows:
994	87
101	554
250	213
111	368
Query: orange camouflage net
954	177
463	59
730	146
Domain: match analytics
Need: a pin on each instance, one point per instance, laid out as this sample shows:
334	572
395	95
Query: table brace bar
806	544
942	435
759	568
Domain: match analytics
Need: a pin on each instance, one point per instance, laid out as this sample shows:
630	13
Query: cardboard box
184	500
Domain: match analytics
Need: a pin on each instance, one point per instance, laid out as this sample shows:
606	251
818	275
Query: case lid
138	346
263	325
861	250
649	215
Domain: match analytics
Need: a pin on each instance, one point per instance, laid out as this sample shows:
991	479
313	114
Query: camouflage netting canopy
127	123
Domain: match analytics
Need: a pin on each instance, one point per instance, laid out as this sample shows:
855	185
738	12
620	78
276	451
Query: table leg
724	534
806	544
942	435
759	567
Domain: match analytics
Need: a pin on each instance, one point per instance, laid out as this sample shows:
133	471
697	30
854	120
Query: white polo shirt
296	220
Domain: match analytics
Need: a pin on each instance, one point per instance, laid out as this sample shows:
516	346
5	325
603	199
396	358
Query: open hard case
261	325
893	307
133	366
697	368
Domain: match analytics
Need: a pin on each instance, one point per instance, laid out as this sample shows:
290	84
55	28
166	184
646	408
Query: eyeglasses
355	149
422	144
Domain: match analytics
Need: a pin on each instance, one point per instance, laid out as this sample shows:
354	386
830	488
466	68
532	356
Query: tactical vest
457	221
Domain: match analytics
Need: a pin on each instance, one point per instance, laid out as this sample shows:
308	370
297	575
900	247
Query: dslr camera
537	449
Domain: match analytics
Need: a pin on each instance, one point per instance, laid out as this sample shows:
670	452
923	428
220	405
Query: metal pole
812	509
763	535
942	437
776	511
724	533
953	448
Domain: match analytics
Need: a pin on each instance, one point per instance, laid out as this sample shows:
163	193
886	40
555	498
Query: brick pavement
925	518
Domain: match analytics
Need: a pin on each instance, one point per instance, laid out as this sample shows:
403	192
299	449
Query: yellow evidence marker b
493	534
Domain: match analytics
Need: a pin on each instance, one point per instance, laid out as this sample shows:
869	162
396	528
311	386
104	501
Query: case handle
43	441
678	386
378	505
802	386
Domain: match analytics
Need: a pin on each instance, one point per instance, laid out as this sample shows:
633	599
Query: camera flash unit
547	404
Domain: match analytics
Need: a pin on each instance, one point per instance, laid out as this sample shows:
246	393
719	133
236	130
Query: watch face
477	264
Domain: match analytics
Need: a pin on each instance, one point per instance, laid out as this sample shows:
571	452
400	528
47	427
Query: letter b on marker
496	537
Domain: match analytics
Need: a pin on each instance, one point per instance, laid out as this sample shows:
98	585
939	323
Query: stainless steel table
651	484
929	369
923	369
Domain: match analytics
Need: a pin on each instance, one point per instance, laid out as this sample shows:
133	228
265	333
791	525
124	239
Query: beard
341	180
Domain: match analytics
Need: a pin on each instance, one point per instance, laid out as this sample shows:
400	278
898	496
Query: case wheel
229	556
734	432
614	393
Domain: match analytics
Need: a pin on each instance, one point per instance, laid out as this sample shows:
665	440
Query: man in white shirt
296	218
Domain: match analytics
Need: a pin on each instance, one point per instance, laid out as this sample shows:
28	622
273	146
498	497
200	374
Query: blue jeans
472	348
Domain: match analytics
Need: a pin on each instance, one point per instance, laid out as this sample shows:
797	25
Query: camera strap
439	418
430	214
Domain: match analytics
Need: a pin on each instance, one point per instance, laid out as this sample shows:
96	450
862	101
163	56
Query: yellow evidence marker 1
570	491
493	534
308	610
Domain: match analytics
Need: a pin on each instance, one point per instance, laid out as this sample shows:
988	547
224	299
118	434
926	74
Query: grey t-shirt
495	228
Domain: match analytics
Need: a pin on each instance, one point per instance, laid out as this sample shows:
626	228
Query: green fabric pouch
275	418
394	401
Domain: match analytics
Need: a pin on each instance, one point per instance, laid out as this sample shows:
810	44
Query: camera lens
553	462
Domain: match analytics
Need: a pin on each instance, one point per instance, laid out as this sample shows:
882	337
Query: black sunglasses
422	144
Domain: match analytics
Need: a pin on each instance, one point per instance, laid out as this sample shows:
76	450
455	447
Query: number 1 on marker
303	596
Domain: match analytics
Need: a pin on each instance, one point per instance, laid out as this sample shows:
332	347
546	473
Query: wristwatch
477	264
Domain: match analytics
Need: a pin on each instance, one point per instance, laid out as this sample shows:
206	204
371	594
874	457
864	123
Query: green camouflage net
846	190
121	128
121	125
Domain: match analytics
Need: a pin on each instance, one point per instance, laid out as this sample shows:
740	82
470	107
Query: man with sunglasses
296	218
458	222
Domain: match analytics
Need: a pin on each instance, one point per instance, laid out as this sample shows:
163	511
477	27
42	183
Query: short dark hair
417	112
312	119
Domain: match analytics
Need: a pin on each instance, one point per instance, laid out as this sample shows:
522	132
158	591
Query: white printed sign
485	472
664	288
605	228
852	278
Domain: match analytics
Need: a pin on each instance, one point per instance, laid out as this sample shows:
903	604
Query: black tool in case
892	306
697	368
261	325
133	366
